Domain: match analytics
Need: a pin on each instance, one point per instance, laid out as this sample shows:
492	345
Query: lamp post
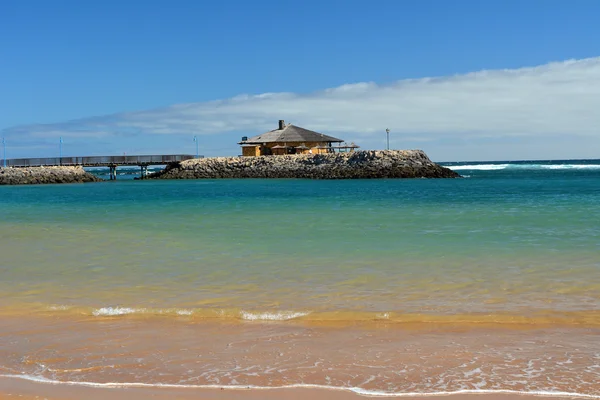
4	151
196	140
60	142
387	131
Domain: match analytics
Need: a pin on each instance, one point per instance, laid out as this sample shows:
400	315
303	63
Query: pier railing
98	161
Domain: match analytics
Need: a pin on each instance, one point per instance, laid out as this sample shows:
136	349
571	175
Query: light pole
4	150
387	131
60	150
196	140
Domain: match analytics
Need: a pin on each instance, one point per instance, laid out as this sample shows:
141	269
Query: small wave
537	318
497	167
112	311
200	313
482	167
109	311
357	390
272	316
570	166
58	308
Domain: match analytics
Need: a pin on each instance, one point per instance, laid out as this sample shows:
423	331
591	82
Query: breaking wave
521	166
533	318
272	316
198	313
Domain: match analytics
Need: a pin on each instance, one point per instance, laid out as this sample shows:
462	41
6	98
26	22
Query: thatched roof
290	134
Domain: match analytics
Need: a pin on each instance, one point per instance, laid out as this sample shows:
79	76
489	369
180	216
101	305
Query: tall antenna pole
387	131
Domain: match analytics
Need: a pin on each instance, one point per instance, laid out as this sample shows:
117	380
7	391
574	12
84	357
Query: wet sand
11	389
193	355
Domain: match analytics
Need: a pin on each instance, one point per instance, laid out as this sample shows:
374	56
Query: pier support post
143	171
112	173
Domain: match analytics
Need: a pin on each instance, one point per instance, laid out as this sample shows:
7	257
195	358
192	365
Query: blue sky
463	80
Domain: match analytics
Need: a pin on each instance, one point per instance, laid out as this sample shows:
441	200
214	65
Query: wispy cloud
560	98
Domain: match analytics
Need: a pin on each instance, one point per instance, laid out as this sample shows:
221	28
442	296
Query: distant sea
487	283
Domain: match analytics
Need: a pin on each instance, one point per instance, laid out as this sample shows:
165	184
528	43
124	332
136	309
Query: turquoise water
516	238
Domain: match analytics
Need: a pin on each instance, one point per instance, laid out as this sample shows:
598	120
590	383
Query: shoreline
29	389
105	355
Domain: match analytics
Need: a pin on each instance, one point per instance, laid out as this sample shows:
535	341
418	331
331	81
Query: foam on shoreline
356	390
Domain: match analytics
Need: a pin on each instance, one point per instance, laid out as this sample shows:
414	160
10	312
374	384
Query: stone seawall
357	165
39	175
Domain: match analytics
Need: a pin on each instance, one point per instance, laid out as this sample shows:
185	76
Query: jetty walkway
112	162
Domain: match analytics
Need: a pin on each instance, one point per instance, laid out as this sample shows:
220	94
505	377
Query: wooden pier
112	162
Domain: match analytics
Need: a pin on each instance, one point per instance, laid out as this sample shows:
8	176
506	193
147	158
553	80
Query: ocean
490	283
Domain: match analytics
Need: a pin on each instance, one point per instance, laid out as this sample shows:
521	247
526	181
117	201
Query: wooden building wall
258	150
251	151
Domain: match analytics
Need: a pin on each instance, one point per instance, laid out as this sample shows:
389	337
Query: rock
43	175
357	165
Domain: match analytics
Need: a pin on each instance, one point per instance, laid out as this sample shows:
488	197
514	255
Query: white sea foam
570	166
108	311
483	167
357	390
58	308
272	316
496	167
111	311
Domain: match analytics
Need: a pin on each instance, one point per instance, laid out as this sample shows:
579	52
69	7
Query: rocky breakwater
39	175
357	165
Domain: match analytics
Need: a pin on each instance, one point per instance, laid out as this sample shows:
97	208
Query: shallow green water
515	242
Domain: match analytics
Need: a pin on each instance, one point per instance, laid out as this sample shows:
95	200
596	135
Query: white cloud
561	98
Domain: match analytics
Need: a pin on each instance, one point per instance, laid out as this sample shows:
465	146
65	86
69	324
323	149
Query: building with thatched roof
288	139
